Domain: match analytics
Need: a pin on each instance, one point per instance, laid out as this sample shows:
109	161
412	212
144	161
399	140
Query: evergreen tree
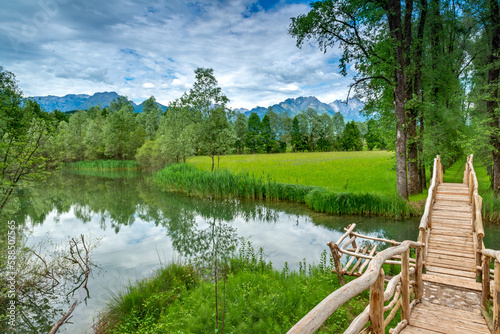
268	142
352	139
240	129
253	139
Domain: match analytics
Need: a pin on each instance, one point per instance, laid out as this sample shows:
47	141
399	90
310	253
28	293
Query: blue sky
143	48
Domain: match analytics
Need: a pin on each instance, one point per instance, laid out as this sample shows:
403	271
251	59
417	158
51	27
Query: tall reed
103	165
224	184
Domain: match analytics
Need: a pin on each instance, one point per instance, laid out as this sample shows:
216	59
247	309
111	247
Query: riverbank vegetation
103	165
252	297
225	184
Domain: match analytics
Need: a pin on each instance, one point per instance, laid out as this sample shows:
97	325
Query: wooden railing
359	254
373	279
483	255
491	291
426	221
476	203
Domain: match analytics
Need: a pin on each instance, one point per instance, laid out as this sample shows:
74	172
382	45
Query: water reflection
141	227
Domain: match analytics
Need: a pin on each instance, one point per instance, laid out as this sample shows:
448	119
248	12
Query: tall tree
379	53
240	129
253	138
493	96
150	117
24	131
267	137
208	105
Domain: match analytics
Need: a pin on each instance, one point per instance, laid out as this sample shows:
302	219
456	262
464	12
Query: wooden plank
451	265
453	281
460	232
453	198
453	257
431	308
451	323
415	330
451	253
453	272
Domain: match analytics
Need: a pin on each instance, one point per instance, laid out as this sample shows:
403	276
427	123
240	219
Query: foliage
352	139
25	131
257	298
103	165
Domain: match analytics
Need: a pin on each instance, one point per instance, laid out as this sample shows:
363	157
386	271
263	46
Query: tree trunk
213	163
492	102
394	17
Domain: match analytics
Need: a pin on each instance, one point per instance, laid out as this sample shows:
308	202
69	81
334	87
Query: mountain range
72	102
350	111
293	106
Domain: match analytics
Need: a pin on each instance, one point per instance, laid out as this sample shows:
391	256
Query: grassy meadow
363	171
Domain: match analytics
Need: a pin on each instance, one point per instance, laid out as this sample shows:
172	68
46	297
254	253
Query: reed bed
224	184
103	165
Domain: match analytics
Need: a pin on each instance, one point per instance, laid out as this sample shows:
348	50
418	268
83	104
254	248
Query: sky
142	48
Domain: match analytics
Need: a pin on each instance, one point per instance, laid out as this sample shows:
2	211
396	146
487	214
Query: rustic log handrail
476	201
370	279
487	292
425	221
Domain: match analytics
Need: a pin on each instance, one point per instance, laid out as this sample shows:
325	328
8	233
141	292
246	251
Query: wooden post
496	300
423	241
479	244
486	281
419	267
334	249
405	285
377	305
471	187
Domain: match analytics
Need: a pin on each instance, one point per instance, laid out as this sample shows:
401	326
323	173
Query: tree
208	108
150	117
253	138
240	129
122	136
352	139
373	136
266	133
296	135
177	133
360	29
493	96
24	131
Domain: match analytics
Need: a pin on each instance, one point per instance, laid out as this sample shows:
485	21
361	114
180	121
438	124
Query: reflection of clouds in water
135	252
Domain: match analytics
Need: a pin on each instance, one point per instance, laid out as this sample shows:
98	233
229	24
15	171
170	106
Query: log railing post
405	285
377	305
334	249
485	281
419	266
496	299
471	187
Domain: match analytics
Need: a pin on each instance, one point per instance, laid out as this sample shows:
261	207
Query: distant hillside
295	106
82	101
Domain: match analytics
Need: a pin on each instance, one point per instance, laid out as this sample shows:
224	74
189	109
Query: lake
140	228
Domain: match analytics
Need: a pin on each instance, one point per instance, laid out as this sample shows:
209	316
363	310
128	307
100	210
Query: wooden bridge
447	287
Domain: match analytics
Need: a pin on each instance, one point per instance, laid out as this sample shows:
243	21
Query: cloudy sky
142	48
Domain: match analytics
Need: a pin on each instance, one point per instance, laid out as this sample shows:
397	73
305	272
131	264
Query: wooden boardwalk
437	289
451	263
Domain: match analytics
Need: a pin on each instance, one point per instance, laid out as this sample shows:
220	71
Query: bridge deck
450	263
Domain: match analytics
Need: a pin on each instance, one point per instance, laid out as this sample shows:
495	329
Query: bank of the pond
103	165
224	184
252	297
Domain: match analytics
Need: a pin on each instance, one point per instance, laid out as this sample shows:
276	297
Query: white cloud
92	46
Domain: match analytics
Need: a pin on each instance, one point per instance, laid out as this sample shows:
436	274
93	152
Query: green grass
365	171
257	299
225	184
103	165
